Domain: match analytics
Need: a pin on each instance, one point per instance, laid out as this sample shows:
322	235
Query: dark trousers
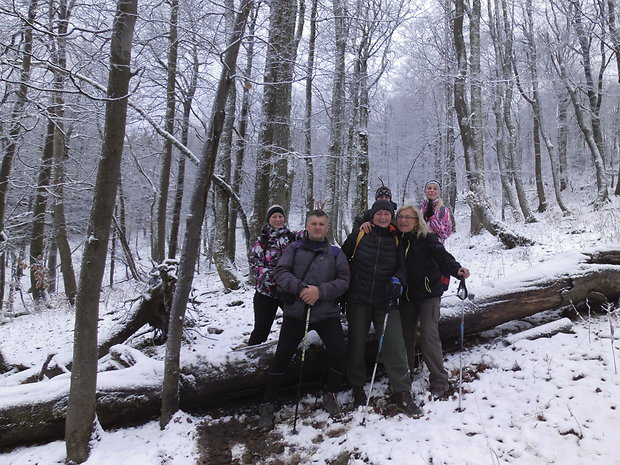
393	355
426	311
265	309
291	334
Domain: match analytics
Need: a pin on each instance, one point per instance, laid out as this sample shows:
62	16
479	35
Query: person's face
276	220
407	220
317	227
383	197
432	191
382	218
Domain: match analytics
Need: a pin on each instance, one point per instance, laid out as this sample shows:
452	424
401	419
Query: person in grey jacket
316	274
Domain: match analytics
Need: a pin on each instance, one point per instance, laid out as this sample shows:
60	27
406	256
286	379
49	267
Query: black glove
394	289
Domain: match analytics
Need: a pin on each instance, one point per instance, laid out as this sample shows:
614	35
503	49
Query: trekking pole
461	293
374	371
301	368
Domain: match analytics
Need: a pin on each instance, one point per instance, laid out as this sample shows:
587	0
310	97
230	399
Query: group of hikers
392	270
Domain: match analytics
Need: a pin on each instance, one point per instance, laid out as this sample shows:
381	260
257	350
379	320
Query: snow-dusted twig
580	436
610	310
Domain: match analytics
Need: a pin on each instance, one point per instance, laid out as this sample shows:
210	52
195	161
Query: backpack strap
357	242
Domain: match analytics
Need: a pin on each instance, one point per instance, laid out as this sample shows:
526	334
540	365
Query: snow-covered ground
551	400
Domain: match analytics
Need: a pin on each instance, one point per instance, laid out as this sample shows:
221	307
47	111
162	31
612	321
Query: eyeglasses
401	217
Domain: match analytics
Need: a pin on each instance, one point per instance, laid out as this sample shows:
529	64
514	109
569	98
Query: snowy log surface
562	325
35	412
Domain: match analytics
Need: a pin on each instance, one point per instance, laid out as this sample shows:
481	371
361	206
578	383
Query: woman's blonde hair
422	229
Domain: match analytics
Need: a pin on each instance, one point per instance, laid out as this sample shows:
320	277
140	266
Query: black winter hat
274	209
382	205
383	191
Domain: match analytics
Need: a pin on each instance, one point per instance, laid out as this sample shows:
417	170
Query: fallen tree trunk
586	277
594	277
150	308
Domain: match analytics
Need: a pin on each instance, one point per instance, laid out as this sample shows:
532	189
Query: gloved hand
394	288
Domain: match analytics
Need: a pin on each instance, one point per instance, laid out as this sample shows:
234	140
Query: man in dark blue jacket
377	275
316	274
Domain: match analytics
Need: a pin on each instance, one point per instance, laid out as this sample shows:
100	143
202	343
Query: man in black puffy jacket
377	273
315	274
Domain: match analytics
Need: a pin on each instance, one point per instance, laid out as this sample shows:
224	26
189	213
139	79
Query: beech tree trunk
15	132
38	283
81	415
308	110
188	100
336	136
223	257
195	219
477	199
164	177
61	133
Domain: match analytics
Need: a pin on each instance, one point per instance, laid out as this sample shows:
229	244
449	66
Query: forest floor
546	401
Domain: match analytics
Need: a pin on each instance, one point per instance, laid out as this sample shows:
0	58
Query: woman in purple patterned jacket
438	217
264	256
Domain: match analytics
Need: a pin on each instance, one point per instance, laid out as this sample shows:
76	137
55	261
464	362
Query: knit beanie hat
432	181
383	191
382	205
274	209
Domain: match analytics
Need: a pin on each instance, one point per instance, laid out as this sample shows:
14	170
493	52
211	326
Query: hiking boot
404	403
359	396
330	404
438	390
266	417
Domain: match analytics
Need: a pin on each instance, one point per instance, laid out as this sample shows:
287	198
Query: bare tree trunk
503	163
508	78
272	184
504	148
120	226
477	135
60	222
52	263
308	112
594	93
185	124
282	39
602	194
60	152
113	235
81	418
195	219
537	106
14	134
164	177
336	136
562	134
242	131
37	230
540	186
477	199
223	258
